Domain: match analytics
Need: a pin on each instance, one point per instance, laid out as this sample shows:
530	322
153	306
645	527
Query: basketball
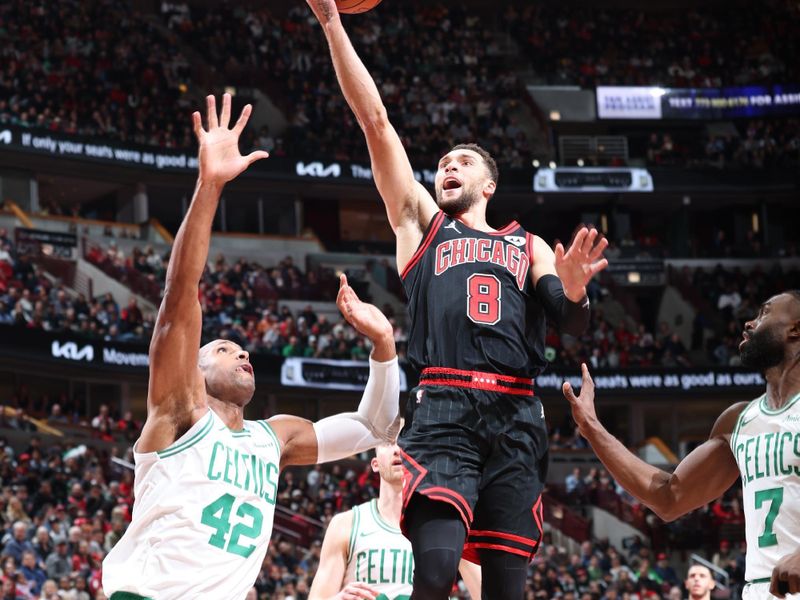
351	7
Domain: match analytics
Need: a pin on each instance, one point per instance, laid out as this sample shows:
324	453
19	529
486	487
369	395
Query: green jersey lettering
211	474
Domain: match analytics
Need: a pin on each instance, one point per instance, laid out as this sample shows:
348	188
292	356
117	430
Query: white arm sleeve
377	419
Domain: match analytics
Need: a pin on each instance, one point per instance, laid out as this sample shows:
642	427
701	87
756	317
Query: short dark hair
487	158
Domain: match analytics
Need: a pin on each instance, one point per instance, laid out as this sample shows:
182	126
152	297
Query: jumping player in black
475	442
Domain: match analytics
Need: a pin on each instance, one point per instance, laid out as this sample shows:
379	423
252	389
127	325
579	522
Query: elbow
665	505
665	513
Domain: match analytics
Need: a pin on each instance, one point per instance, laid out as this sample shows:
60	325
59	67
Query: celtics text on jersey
379	554
766	445
202	517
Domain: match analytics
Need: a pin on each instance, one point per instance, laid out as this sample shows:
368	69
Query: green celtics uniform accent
766	445
379	555
204	509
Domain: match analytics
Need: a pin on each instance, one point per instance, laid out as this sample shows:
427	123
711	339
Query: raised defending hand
220	160
324	10
583	412
581	262
357	591
364	317
786	576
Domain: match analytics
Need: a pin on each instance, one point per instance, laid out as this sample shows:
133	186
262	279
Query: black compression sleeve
571	317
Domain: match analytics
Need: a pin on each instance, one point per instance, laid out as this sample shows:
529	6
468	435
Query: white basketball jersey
202	517
379	554
766	444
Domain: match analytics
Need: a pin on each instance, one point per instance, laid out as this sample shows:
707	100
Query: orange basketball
352	7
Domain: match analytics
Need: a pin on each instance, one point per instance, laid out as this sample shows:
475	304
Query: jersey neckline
776	411
502	231
373	505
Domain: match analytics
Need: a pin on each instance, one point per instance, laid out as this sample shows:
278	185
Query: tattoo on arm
327	8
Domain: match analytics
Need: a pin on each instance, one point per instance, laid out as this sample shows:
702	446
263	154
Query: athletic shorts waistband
492	382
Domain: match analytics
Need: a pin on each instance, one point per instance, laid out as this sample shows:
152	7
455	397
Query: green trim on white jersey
177	448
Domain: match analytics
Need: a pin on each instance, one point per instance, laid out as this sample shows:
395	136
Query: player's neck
231	414
390	502
783	383
475	218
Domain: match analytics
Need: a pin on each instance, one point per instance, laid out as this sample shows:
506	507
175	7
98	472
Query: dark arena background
672	126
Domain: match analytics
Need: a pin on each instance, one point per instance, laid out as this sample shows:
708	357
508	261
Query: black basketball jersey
471	300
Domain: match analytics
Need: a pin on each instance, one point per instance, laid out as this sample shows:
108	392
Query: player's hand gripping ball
352	7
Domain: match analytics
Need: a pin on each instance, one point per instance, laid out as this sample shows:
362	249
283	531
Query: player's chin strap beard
468	199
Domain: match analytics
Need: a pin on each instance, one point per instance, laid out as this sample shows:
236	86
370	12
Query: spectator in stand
574	483
18	544
664	571
34	575
45	89
626	46
128	426
103	420
56	415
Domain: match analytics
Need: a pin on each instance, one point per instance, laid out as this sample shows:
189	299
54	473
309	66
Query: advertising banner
644	103
329	374
43	347
97	150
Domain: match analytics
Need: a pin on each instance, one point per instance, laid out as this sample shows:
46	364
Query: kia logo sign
5	136
70	351
317	169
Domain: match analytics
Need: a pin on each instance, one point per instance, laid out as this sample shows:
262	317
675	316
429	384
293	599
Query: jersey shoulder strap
427	238
353	532
749	413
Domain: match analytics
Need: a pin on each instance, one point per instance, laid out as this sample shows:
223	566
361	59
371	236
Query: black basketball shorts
478	441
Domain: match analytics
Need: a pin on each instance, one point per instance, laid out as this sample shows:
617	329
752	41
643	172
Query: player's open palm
583	412
364	317
220	159
584	259
356	591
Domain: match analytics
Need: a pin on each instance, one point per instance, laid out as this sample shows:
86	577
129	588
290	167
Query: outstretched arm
377	418
409	205
704	475
176	395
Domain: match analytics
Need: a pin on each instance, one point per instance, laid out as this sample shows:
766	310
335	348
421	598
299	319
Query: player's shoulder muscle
726	422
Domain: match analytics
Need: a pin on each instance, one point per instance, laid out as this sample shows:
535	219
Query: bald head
227	371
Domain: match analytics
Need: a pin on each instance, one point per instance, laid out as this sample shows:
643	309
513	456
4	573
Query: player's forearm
376	421
571	316
190	249
643	481
357	84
